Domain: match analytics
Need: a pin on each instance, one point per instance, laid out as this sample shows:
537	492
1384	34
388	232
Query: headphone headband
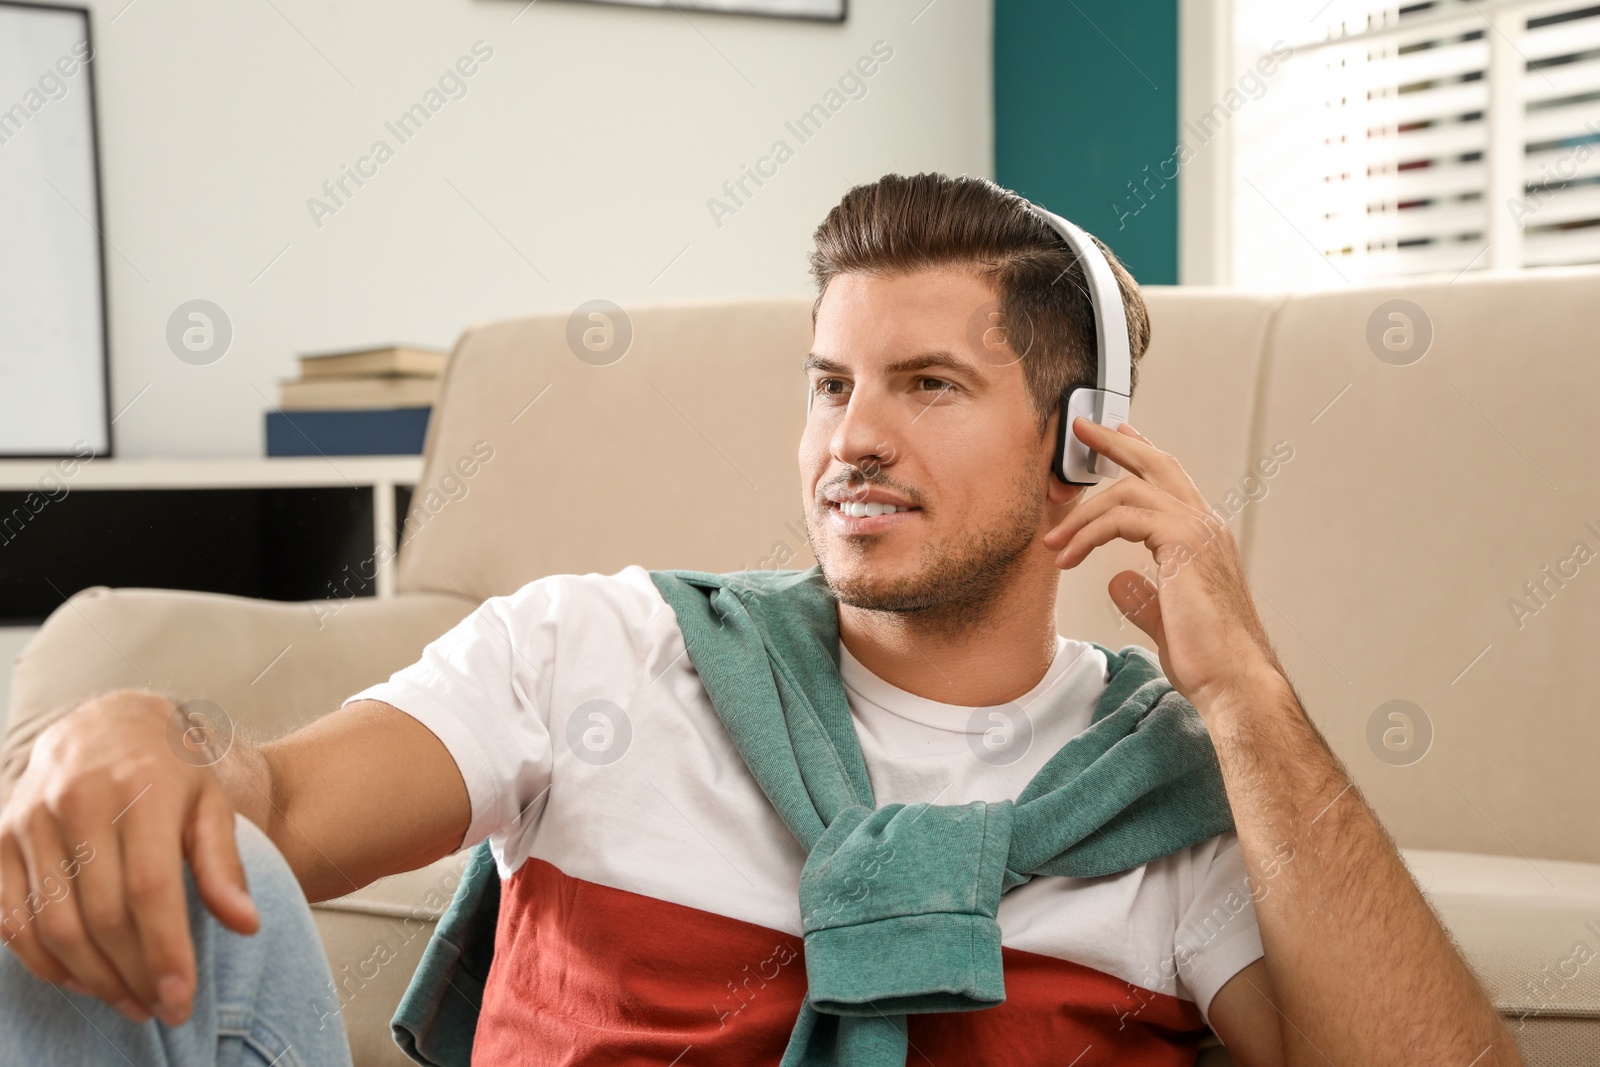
1114	365
1107	402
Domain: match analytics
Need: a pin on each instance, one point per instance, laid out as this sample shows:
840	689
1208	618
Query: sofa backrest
1414	503
1392	551
682	453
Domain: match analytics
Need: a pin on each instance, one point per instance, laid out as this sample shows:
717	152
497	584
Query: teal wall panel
1086	119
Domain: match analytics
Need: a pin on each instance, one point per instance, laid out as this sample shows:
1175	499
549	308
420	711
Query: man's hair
901	224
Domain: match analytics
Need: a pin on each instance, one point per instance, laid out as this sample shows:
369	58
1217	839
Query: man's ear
1058	491
1062	493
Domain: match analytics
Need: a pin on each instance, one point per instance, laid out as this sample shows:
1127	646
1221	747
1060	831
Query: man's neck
969	657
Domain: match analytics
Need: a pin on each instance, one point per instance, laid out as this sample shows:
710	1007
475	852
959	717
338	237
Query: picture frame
805	10
55	335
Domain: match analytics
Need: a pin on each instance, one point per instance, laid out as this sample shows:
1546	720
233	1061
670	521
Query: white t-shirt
588	744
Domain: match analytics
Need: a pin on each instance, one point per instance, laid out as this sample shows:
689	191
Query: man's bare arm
1361	970
94	836
1244	1014
363	792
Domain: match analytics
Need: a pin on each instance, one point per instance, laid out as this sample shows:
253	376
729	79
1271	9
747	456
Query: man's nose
865	434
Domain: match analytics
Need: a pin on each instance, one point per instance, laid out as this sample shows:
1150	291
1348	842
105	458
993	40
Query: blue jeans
250	1008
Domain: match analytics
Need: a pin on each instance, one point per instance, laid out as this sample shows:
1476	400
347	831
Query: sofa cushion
1529	927
1530	930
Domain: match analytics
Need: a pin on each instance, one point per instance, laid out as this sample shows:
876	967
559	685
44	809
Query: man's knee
285	955
267	873
255	847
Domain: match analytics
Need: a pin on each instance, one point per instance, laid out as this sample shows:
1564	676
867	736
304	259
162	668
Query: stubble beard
957	584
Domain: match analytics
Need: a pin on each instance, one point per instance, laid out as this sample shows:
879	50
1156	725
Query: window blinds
1440	136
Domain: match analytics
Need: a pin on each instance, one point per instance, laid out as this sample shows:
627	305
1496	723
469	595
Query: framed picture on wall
820	10
53	346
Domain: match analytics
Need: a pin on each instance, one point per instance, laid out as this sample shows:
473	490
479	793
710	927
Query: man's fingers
1127	428
218	870
16	917
1129	491
152	871
1134	453
1122	521
57	923
91	865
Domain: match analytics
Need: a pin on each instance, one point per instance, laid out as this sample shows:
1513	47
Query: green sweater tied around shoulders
1142	781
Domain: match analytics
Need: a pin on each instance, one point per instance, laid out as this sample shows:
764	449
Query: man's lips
865	495
869	524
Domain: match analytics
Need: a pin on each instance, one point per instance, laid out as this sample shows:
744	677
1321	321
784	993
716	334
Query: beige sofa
1418	501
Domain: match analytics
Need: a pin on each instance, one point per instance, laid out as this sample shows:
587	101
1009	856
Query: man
648	909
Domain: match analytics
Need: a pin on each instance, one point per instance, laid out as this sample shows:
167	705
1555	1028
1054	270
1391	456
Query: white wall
584	151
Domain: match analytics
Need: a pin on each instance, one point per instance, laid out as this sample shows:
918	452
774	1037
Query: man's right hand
92	847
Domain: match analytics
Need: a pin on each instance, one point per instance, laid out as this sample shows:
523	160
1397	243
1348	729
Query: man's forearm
1364	973
259	793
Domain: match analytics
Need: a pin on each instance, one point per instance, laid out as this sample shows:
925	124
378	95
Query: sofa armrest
271	666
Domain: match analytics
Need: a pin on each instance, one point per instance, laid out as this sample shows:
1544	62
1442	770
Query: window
1437	137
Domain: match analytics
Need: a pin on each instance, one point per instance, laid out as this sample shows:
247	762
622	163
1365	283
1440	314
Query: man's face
916	404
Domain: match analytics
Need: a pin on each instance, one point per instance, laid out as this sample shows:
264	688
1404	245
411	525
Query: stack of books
357	402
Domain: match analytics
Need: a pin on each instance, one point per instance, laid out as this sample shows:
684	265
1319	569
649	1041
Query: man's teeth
857	510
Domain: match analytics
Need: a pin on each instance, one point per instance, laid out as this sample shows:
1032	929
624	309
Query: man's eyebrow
922	361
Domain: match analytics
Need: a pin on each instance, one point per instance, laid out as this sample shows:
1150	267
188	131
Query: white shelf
21	475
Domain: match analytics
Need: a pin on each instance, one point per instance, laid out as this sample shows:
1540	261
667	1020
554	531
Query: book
385	359
365	432
317	394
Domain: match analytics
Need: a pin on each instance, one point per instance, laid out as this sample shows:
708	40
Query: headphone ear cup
1058	460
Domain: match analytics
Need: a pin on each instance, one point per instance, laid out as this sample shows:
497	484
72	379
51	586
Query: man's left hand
1199	612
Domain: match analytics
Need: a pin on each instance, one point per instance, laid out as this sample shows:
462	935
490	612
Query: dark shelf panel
272	543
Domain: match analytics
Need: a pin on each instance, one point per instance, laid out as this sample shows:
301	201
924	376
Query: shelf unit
57	480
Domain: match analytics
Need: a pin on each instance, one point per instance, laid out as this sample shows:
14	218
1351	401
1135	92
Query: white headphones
1107	402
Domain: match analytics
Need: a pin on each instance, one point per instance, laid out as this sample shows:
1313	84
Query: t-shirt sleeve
1217	935
483	689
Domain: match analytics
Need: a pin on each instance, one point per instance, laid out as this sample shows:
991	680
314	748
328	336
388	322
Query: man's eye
822	385
938	383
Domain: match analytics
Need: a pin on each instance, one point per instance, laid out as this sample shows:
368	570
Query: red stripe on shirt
585	974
